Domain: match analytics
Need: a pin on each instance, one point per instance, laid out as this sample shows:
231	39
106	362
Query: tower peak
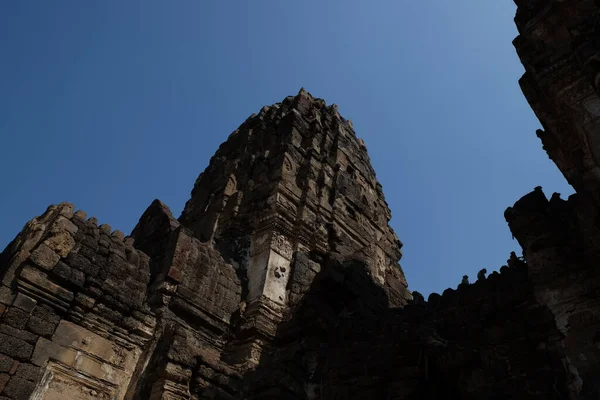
294	177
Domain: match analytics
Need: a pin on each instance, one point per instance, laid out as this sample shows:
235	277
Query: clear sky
110	104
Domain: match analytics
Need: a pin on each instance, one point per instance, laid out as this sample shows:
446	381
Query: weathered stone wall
74	329
501	341
560	241
196	293
73	319
559	47
491	339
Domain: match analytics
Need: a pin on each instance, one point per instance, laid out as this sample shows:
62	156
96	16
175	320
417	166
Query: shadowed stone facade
280	280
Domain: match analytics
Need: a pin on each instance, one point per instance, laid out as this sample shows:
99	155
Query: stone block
92	221
62	224
77	337
62	270
69	274
4	378
109	312
40	327
46	313
18	388
76	260
40	279
90	242
44	257
84	301
177	373
80	215
105	228
66	209
46	349
24	302
6	295
89	366
87	252
5	363
117	266
18	333
15	317
77	278
61	243
14	347
103	251
66	383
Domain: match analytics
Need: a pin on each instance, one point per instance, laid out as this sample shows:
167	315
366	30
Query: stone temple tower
287	218
293	178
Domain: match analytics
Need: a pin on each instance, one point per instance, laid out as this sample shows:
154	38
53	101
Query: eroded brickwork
74	318
283	285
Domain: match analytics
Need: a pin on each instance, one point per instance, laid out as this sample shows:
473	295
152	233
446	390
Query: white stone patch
269	267
278	273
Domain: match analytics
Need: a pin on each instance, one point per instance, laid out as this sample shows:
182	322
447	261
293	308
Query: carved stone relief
288	167
60	382
282	245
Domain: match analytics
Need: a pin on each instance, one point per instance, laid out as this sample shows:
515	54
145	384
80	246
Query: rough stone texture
280	280
488	340
66	300
558	45
295	177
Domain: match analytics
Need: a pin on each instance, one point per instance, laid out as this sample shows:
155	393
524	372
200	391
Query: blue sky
111	104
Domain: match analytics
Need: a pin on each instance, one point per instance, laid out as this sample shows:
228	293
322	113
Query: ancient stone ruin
280	280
